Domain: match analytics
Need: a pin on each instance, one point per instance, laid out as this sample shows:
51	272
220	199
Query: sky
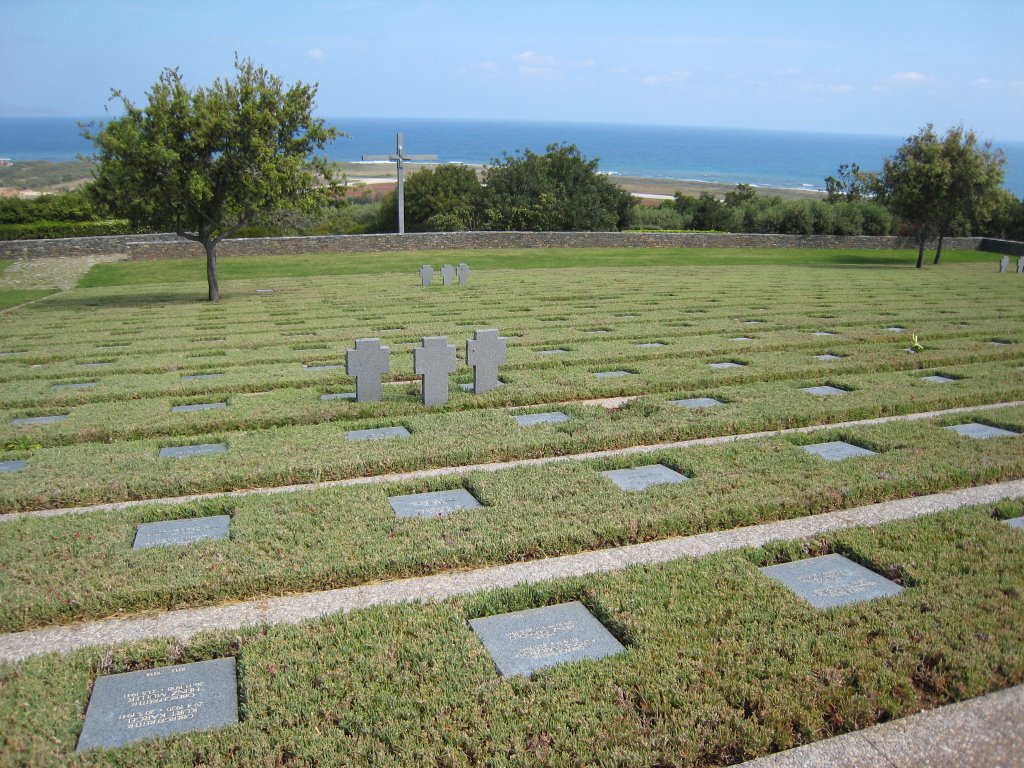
836	66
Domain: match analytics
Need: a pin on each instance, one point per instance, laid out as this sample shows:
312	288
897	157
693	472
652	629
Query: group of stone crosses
433	361
448	274
1004	264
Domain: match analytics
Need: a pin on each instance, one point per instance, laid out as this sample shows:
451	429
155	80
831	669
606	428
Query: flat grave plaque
837	450
723	366
549	417
828	356
938	379
264	290
981	431
824	333
612	374
80	385
101	364
524	642
895	329
741	338
201	376
338	396
382	433
435	504
184	451
551	351
1016	522
824	391
331	367
33	420
171	532
11	466
197	407
642	478
696	402
649	344
753	322
831	580
150	703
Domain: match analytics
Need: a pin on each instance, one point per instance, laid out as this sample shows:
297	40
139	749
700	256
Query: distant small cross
463	271
1020	263
426	275
485	352
447	274
434	361
1004	264
367	362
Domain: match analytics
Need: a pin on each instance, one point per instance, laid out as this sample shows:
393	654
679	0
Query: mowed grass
268	267
721	665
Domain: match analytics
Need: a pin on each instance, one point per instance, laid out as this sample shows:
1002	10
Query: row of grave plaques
203	696
448	274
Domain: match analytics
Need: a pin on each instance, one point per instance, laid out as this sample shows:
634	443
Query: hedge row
42	230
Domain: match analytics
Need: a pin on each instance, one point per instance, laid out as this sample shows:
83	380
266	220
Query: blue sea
732	156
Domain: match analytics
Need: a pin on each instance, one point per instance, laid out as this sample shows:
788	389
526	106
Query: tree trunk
211	268
938	250
920	252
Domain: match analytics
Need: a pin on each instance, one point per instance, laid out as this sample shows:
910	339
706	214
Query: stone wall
161	246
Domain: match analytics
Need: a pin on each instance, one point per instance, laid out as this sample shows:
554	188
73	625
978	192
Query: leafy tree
559	190
207	162
446	198
851	185
743	193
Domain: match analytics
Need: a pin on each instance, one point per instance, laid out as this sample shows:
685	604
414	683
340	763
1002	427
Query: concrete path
981	733
498	466
292	609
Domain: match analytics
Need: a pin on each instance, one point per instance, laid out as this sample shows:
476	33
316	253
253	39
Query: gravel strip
395	477
980	733
183	624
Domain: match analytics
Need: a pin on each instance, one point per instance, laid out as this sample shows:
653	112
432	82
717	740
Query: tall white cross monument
400	158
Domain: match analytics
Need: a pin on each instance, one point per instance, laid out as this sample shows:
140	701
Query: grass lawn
720	665
12	298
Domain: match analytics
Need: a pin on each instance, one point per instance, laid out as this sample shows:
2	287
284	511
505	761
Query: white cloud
315	53
909	78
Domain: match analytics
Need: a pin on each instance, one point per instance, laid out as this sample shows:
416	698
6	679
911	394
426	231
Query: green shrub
45	230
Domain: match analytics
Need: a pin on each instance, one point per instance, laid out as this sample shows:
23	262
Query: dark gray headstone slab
531	419
332	367
1016	522
551	351
80	385
826	357
381	433
172	532
649	344
612	374
12	466
447	274
201	376
158	702
426	275
723	366
831	580
183	451
1004	264
641	478
837	450
824	390
32	420
463	272
433	361
526	641
435	504
338	396
484	353
696	402
938	379
981	431
198	407
367	363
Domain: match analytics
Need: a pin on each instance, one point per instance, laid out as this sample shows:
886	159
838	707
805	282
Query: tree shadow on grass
135	299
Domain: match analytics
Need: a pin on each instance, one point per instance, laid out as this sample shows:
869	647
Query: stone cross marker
434	361
367	363
1020	264
447	274
426	275
1004	264
463	272
485	352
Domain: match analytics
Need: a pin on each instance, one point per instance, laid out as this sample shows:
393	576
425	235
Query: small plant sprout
915	345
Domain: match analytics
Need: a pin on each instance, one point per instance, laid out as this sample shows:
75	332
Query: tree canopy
448	198
206	162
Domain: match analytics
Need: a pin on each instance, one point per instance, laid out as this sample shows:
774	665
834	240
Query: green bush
45	230
70	206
